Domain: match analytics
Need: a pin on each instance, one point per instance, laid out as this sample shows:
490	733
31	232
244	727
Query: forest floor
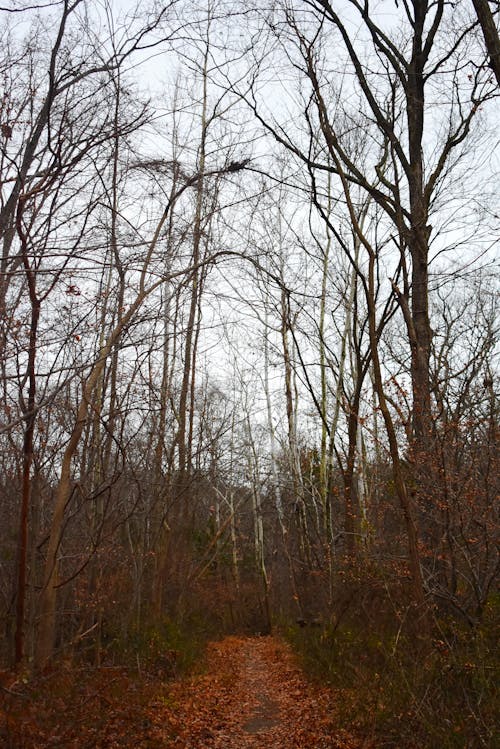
251	695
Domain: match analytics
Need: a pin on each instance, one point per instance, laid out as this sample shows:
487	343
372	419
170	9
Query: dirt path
253	697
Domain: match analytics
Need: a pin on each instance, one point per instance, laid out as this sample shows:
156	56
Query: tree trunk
490	33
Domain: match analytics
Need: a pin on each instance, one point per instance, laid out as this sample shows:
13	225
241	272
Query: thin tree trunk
276	485
195	285
260	556
30	419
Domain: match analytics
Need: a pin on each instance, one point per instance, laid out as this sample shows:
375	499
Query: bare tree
406	172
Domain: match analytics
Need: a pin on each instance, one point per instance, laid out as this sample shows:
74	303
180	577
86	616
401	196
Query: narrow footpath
253	696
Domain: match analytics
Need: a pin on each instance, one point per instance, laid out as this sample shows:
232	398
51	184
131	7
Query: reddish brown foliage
252	695
255	696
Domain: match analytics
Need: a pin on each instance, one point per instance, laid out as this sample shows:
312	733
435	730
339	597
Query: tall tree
397	65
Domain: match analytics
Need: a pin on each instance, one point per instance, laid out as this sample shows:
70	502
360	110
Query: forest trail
251	694
254	696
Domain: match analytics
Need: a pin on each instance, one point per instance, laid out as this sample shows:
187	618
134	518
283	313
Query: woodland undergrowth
381	682
75	703
402	691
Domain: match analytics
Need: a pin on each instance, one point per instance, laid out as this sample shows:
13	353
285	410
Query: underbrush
82	707
404	692
167	648
119	703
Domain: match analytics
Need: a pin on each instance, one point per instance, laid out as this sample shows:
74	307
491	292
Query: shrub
403	693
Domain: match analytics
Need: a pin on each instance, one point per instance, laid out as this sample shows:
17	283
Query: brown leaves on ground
252	695
72	708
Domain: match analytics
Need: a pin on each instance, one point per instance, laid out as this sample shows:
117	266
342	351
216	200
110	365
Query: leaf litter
254	696
251	695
